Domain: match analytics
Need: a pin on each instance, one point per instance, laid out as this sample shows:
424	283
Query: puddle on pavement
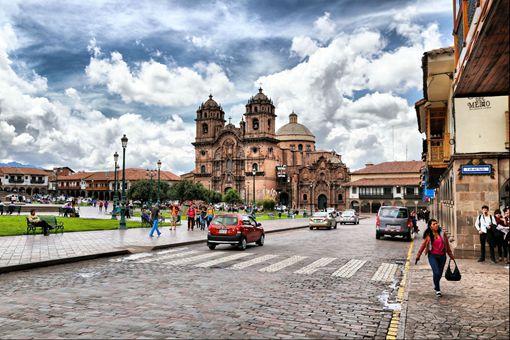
132	257
383	299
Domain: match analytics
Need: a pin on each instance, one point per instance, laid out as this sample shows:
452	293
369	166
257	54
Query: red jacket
191	212
425	245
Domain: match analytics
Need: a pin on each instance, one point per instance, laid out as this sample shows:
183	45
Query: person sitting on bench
35	220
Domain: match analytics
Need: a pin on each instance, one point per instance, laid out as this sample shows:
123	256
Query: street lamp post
311	199
159	178
115	187
290	192
254	172
122	223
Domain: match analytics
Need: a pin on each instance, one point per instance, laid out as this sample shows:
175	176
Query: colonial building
260	162
464	116
388	183
24	180
100	184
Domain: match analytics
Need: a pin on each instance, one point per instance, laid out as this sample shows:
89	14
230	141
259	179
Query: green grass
16	225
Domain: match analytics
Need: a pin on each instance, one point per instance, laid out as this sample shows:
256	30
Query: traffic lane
104	298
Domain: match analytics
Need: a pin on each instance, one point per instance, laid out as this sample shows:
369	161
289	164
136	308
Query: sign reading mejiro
485	169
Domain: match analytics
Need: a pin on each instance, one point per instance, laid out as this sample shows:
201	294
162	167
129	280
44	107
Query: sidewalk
475	307
23	252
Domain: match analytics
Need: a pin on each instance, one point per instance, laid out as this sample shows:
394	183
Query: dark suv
393	221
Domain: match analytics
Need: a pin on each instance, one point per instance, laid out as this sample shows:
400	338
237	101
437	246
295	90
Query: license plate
223	231
393	227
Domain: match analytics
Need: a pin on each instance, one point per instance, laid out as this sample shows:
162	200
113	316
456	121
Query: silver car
349	216
393	221
322	219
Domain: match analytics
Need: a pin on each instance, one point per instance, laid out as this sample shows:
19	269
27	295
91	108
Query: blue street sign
485	169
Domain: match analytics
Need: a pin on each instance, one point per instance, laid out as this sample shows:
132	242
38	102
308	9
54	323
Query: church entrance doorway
284	199
227	189
322	202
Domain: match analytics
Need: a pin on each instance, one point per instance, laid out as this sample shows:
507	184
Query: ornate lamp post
122	223
254	172
115	187
159	179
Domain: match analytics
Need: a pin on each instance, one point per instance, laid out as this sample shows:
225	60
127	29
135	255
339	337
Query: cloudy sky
76	75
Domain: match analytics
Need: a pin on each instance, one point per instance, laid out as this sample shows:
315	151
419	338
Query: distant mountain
20	165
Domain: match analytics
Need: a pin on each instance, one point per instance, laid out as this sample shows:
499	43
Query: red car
236	230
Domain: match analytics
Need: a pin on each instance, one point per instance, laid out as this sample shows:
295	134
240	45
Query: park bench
51	220
10	209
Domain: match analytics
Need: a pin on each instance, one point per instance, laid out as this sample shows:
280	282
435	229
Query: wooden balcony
438	153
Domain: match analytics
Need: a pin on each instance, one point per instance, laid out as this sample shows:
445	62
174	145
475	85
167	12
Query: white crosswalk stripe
349	269
257	260
196	258
168	256
173	250
315	266
222	260
282	264
385	272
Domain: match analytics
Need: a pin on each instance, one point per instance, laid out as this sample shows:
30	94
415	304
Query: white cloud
325	27
154	83
38	130
303	46
201	42
93	48
320	89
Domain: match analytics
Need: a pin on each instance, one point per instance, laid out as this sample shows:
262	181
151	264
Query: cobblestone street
302	283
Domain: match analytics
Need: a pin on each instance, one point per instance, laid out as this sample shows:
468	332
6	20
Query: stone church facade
259	161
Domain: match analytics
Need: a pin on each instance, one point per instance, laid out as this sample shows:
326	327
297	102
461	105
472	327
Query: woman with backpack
436	246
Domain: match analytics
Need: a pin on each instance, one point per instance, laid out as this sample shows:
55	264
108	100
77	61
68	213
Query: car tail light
409	223
377	222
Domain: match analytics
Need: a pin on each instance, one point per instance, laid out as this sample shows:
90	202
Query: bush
267	203
232	196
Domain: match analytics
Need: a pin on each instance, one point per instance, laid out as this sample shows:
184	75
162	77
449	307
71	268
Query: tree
232	196
142	190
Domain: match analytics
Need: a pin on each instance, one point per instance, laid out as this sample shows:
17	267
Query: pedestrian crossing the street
272	263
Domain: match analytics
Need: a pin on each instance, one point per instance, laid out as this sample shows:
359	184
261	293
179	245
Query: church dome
260	98
210	103
293	131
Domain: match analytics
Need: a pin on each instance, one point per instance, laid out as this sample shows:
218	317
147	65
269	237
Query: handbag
452	276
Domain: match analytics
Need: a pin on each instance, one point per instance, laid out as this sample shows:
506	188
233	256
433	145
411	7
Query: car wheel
260	242
243	244
211	246
311	228
377	235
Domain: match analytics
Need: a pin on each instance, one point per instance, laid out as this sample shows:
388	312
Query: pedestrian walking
100	206
203	218
154	220
415	222
486	226
210	215
175	214
436	246
502	228
191	217
105	206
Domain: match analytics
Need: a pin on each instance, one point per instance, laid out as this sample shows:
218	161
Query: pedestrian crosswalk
273	263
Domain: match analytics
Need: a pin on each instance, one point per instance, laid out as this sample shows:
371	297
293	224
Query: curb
48	263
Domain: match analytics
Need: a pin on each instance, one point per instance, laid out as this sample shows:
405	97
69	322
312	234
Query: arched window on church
340	197
269	124
255	167
202	169
205	128
255	124
256	109
305	197
300	147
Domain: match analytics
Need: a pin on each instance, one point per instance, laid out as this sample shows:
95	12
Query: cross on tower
229	119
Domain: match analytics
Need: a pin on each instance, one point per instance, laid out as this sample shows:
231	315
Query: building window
300	147
254	149
202	152
305	197
202	169
269	123
255	123
205	128
354	190
270	150
340	198
256	109
255	167
398	190
409	191
308	147
292	147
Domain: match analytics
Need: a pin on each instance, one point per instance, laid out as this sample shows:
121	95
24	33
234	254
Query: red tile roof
392	168
382	182
132	174
76	176
9	170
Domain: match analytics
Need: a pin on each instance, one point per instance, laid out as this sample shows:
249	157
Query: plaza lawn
16	225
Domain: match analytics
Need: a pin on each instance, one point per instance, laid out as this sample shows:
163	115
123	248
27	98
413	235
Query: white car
349	216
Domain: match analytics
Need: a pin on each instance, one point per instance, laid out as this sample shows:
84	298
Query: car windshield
393	212
348	213
224	220
320	214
